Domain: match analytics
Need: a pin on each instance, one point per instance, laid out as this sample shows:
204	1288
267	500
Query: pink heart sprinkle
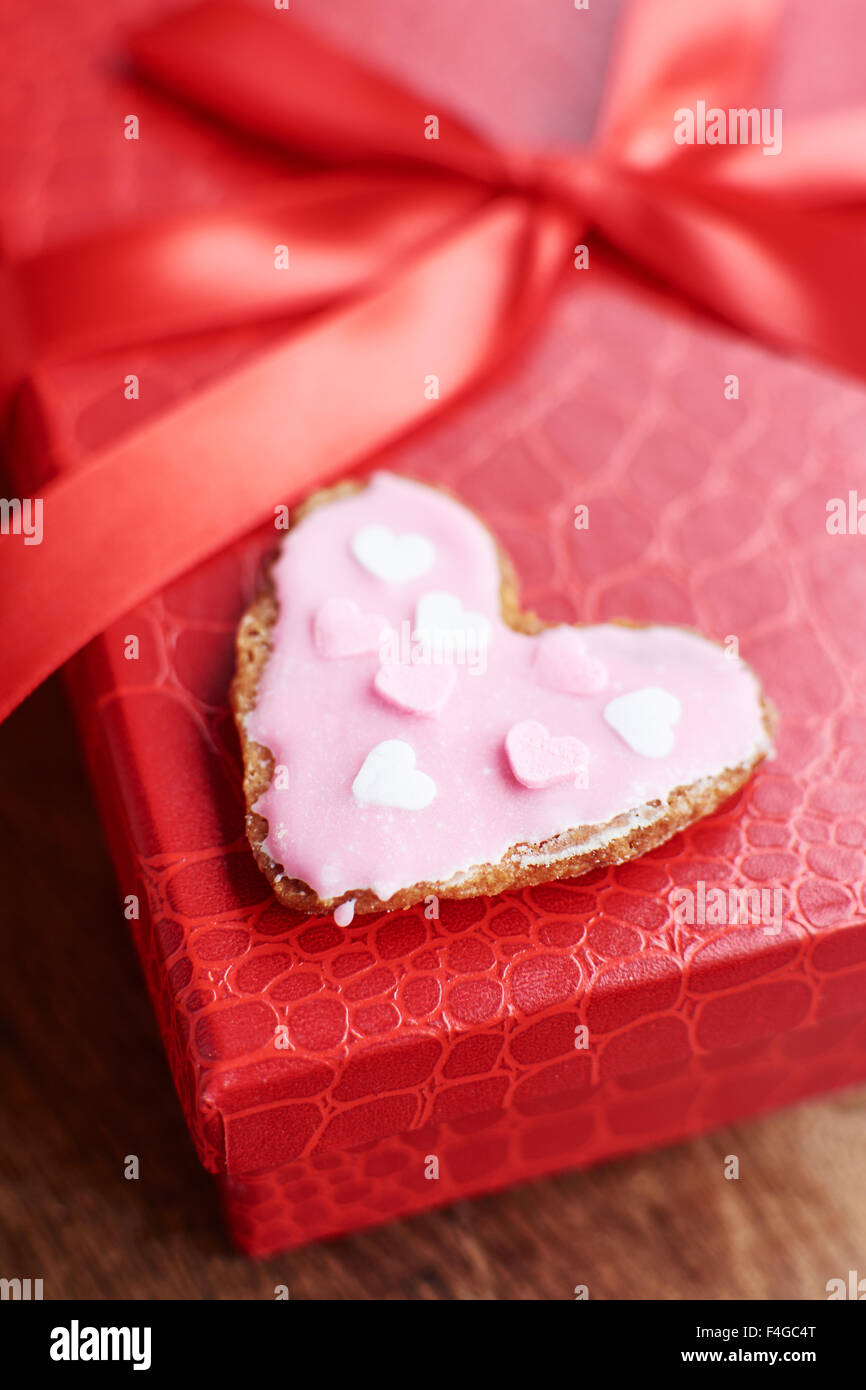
539	760
563	663
341	629
422	689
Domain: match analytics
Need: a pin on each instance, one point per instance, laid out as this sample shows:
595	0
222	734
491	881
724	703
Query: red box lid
703	510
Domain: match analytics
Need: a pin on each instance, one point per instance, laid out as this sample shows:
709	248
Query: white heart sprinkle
644	719
389	777
444	624
394	558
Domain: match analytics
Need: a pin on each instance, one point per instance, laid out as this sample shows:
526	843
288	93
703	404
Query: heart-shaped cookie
563	749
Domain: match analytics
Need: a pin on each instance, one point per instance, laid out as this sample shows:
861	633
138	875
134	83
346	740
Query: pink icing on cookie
563	663
539	760
322	719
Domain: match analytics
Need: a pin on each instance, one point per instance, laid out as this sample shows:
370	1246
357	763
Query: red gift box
335	1078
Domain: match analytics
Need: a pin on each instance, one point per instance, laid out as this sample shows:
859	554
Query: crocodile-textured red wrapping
453	1038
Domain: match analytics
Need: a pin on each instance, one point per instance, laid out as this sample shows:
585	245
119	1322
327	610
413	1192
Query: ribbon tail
137	515
791	276
306	245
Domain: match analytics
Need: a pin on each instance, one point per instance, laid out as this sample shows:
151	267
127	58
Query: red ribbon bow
421	256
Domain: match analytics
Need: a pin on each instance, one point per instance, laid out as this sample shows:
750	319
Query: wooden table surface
84	1083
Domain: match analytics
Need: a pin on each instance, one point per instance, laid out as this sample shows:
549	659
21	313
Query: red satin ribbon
419	257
